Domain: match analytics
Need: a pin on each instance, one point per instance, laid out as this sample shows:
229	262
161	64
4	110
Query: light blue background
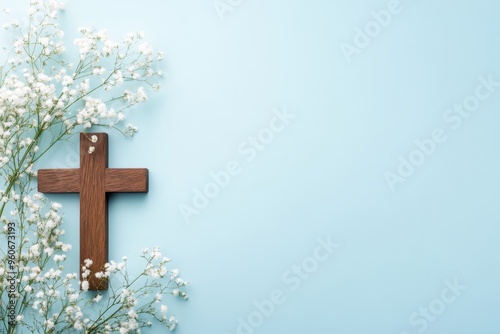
324	174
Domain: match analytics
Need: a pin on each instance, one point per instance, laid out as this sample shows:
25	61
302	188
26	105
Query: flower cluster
127	302
39	78
48	95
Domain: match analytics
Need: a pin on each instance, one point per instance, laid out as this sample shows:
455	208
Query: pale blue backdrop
370	207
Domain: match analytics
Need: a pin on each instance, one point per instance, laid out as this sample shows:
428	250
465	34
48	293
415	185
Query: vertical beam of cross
94	180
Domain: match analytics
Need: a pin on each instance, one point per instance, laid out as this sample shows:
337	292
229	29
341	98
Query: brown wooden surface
93	207
93	181
121	180
59	180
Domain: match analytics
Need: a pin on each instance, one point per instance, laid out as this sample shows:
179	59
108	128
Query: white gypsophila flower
67	81
49	323
130	130
85	272
141	95
175	273
98	71
52	273
132	314
59	258
35	250
42	93
56	206
73	297
120	266
145	49
156	254
162	271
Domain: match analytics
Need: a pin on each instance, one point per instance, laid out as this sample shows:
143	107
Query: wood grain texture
121	180
93	206
93	180
59	181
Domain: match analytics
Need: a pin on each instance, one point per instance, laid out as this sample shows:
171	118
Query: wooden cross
93	180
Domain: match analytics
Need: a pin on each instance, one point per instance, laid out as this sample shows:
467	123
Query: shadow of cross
93	180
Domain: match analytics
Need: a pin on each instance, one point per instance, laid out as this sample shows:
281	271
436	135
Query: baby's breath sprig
49	94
